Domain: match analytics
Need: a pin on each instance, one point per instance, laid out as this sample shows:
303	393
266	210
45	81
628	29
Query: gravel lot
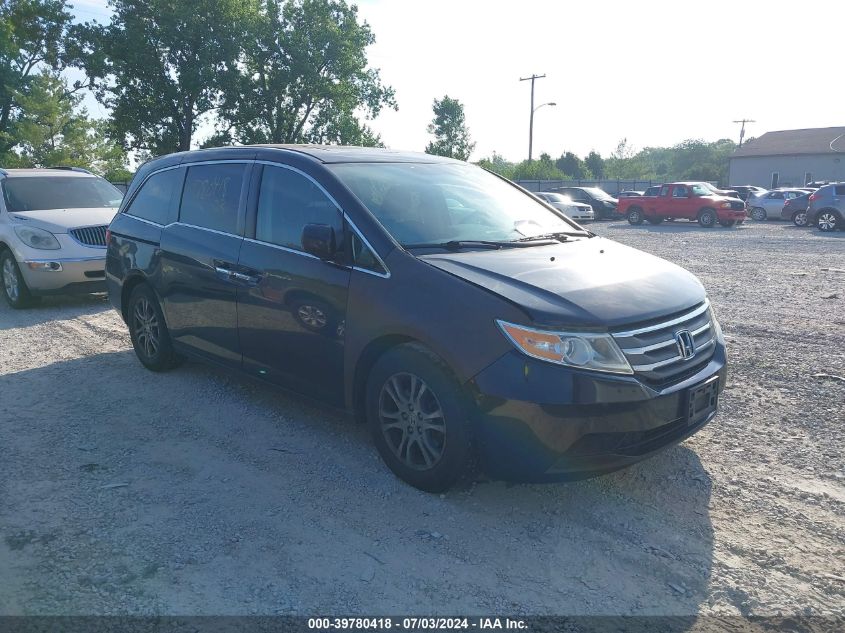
199	492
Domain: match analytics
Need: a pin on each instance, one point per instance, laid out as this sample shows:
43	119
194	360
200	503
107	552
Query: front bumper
543	422
53	276
731	214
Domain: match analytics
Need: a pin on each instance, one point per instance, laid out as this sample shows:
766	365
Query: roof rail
66	168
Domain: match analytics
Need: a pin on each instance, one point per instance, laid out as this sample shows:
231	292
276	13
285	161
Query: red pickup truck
693	201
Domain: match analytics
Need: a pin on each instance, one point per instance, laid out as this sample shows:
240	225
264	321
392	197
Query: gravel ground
199	492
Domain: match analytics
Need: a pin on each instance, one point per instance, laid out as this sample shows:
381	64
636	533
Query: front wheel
419	418
707	218
635	216
15	291
758	213
148	331
799	218
727	223
829	221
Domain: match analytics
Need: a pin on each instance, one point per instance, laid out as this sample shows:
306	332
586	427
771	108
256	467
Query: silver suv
827	207
53	232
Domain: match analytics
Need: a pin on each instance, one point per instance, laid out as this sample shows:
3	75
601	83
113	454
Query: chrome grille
654	353
90	235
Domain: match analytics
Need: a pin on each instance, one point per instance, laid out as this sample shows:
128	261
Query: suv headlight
584	350
37	238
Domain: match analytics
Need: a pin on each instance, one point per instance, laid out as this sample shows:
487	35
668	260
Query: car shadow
194	489
679	226
52	308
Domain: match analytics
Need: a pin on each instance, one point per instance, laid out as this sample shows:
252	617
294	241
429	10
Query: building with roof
790	158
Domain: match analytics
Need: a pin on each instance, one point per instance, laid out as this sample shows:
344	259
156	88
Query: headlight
37	238
585	350
726	205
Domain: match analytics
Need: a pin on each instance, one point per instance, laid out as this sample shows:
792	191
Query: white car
53	232
572	209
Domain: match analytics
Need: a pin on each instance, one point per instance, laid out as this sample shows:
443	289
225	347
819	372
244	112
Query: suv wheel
828	221
419	418
635	216
707	218
799	218
15	290
148	331
758	213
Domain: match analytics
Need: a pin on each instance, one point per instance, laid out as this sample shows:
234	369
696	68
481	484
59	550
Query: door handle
237	277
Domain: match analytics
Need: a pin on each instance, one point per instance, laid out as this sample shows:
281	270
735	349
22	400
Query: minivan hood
60	220
593	282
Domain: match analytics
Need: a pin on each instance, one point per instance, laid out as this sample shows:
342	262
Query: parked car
603	204
795	209
477	326
52	232
730	193
684	200
826	208
769	206
747	191
565	204
630	193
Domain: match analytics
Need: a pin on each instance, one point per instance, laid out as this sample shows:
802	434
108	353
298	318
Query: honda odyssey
452	311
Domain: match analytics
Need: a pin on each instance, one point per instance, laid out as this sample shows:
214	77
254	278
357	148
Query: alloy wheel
827	221
312	316
758	214
147	330
412	421
800	218
10	280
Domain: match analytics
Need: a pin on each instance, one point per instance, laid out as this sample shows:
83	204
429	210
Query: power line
531	120
742	129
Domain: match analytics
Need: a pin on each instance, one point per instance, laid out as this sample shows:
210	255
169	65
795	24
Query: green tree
53	131
572	166
304	77
595	164
160	65
498	164
33	36
450	131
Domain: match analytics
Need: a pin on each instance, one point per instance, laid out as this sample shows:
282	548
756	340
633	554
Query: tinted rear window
153	200
35	193
212	195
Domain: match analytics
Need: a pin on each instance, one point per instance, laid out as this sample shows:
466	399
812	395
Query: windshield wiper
455	245
545	237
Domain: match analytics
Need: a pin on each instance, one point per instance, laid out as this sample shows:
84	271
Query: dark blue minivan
450	310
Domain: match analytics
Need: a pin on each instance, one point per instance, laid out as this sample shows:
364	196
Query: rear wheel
15	290
419	418
799	218
707	218
727	223
148	331
758	213
635	215
829	221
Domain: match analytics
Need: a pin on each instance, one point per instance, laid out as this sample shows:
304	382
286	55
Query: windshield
598	194
35	193
556	197
701	189
428	203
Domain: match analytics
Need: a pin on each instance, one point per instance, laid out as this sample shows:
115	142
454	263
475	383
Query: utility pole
531	120
742	129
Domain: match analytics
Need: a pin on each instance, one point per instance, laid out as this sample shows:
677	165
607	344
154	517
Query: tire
707	218
407	383
635	216
758	214
727	223
799	218
15	291
655	221
148	331
314	316
829	220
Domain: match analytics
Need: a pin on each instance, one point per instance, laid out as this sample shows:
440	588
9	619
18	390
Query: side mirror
319	240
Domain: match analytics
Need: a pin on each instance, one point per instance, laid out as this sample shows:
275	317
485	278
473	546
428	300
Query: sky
653	72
